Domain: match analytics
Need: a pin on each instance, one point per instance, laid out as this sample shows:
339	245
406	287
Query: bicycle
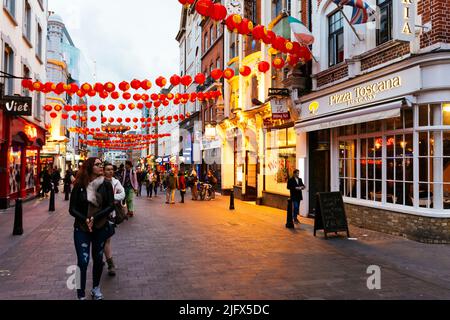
204	191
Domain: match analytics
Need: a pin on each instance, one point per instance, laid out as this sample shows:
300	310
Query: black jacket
296	195
79	206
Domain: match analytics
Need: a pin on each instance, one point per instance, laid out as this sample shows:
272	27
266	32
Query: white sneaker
96	294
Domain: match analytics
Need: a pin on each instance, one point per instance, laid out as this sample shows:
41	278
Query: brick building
376	124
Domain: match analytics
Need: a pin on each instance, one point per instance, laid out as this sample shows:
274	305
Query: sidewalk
201	250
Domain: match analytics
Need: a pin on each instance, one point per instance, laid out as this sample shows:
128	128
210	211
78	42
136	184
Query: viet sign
330	214
16	106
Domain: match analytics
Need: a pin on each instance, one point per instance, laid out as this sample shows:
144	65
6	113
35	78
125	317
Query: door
319	165
251	178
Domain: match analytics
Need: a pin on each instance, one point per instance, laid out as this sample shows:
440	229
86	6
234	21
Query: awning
368	114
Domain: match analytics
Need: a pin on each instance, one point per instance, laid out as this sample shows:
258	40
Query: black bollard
232	200
18	221
51	207
289	218
67	192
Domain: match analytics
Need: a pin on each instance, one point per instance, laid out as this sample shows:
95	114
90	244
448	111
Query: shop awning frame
370	113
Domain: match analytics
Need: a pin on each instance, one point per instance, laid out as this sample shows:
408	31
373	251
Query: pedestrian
46	182
119	196
140	181
68	180
193	181
56	179
150	183
295	185
182	185
171	186
212	181
130	183
91	202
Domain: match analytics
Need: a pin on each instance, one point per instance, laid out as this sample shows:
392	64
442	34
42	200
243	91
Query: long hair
85	173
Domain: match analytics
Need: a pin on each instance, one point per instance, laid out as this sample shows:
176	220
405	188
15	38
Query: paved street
200	250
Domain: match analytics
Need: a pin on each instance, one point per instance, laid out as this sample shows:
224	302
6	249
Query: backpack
121	212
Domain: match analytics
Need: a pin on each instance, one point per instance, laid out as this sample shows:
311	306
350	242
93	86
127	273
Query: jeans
296	205
83	241
170	195
129	195
182	193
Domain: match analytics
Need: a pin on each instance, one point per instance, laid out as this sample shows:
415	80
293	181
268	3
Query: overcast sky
127	39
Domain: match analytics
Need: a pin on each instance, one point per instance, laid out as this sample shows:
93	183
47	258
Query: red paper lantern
203	7
93	119
93	108
146	85
48	108
99	87
111	107
161	82
115	95
140	106
92	93
245	27
104	119
263	66
228	73
102	108
109	87
126	95
304	54
170	96
154	97
27	83
175	80
165	103
258	32
216	74
68	108
122	107
218	12
245	71
137	97
74	117
131	106
135	84
103	94
269	37
232	22
186	80
83	118
278	63
279	43
65	116
157	104
200	78
124	86
119	120
293	60
111	120
148	105
85	87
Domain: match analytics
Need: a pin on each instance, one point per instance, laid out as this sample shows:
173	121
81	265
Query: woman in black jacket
91	203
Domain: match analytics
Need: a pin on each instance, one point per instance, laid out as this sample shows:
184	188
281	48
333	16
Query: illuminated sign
365	93
30	131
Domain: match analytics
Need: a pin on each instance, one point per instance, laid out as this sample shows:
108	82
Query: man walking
130	185
295	186
171	186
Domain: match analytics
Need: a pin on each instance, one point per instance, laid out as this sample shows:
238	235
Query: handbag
121	212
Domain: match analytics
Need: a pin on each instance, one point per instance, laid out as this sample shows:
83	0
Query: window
384	33
280	159
10	5
26	74
254	12
335	38
212	33
377	159
218	64
8	67
27	21
37	105
277	7
205	43
39	41
219	30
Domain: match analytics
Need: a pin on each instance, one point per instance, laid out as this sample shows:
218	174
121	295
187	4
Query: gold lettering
397	82
406	12
406	29
407	1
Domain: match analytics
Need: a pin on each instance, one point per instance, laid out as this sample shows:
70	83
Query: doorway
251	178
319	166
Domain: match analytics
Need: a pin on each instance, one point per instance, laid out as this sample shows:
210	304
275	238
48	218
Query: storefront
211	154
382	140
20	160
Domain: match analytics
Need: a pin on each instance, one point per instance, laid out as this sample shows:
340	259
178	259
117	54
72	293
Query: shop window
335	38
384	33
14	170
280	159
31	169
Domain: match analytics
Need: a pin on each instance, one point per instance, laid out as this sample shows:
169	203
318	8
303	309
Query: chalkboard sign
330	214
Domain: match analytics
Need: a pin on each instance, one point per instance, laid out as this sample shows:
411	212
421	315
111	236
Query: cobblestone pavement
201	250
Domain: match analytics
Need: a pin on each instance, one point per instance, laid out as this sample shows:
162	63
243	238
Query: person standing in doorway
295	186
130	184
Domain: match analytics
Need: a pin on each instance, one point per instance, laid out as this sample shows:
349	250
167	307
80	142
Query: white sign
404	24
392	86
280	109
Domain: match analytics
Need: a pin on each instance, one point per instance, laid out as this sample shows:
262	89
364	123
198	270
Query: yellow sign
365	93
407	17
313	107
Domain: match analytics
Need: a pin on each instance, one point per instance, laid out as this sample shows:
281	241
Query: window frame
334	36
387	4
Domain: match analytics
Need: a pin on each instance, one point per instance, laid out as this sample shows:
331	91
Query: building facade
23	27
376	125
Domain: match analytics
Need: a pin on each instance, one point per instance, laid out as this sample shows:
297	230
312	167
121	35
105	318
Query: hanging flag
362	12
301	32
